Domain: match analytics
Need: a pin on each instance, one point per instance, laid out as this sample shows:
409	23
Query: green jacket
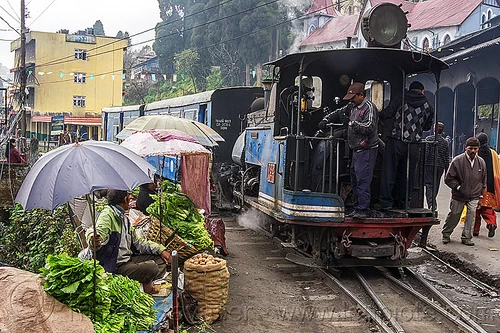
119	240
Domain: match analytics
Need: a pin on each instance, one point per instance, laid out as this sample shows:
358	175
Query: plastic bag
85	254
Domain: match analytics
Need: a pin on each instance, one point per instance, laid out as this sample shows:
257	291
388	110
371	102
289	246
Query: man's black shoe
360	214
351	213
381	208
491	228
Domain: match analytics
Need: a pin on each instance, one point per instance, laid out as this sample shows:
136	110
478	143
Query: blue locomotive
300	177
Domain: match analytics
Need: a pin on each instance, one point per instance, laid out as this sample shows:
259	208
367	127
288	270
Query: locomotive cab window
379	92
311	90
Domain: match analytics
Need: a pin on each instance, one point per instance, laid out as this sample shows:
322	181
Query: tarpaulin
195	180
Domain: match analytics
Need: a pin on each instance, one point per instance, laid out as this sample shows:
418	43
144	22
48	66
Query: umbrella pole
92	212
94	254
160	166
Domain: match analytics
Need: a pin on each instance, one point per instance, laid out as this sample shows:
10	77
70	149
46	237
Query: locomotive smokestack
267	83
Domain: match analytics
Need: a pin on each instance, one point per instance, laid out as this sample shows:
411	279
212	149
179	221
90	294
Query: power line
8	2
172	34
142	32
8	13
42	13
209	46
1	18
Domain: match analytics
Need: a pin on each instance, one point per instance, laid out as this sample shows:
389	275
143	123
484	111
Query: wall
54	94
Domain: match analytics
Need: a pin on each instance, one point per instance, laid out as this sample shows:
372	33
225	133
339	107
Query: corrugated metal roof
180	101
472	49
338	28
441	13
322	7
422	15
121	108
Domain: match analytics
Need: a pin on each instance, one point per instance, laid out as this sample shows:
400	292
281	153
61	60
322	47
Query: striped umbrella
200	132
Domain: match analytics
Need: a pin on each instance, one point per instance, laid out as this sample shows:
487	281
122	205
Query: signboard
81	39
222	124
271	172
57	125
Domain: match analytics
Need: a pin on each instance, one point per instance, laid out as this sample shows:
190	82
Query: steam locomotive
300	179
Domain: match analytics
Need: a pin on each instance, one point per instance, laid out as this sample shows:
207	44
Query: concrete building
71	77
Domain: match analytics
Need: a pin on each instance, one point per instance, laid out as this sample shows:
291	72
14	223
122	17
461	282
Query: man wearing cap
466	177
362	134
411	119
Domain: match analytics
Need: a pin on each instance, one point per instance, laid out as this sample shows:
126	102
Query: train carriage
222	109
301	179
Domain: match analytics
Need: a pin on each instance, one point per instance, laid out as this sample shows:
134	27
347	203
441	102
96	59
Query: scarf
485	153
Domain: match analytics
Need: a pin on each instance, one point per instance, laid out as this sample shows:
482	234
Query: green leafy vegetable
121	306
179	213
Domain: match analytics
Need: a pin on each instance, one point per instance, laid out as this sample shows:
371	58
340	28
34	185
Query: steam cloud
251	219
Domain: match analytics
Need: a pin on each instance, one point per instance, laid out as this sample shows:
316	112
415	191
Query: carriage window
315	83
191	114
176	113
379	92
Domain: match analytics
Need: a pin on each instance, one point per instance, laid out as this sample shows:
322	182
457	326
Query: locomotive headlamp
384	25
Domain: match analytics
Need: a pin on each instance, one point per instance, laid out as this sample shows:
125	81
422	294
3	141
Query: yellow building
72	76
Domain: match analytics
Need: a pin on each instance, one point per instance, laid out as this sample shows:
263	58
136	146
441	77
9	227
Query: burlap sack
209	285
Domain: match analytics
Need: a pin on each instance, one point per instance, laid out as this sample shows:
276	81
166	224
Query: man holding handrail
411	117
362	134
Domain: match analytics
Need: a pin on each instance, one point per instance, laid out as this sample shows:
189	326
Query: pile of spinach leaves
120	304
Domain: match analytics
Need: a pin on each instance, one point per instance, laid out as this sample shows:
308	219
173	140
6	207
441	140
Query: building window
81	54
79	101
414	42
435	41
489	14
311	29
425	44
446	40
80	77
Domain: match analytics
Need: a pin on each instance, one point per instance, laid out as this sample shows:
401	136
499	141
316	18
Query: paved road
486	252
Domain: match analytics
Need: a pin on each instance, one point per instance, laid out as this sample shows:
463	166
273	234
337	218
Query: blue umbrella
81	168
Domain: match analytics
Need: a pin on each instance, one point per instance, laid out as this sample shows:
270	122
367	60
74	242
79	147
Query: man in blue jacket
362	135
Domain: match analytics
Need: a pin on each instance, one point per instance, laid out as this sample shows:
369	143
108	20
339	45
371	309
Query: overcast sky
126	15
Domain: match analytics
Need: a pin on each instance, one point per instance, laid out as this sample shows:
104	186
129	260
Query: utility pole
22	71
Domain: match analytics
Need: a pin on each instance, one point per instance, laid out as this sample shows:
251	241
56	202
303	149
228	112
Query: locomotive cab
300	176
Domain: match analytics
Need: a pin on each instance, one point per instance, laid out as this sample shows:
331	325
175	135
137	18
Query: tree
98	28
120	34
187	64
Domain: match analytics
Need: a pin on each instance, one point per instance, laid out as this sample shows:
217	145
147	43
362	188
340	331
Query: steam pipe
297	150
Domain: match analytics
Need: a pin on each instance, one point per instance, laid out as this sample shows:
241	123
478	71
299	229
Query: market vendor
144	198
120	250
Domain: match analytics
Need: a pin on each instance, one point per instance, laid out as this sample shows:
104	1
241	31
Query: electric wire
8	2
140	33
200	48
8	13
41	13
1	18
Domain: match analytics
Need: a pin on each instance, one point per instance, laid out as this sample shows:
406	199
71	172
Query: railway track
373	299
396	306
407	303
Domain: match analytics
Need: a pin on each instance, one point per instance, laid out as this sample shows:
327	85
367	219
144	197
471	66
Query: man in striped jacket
362	134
